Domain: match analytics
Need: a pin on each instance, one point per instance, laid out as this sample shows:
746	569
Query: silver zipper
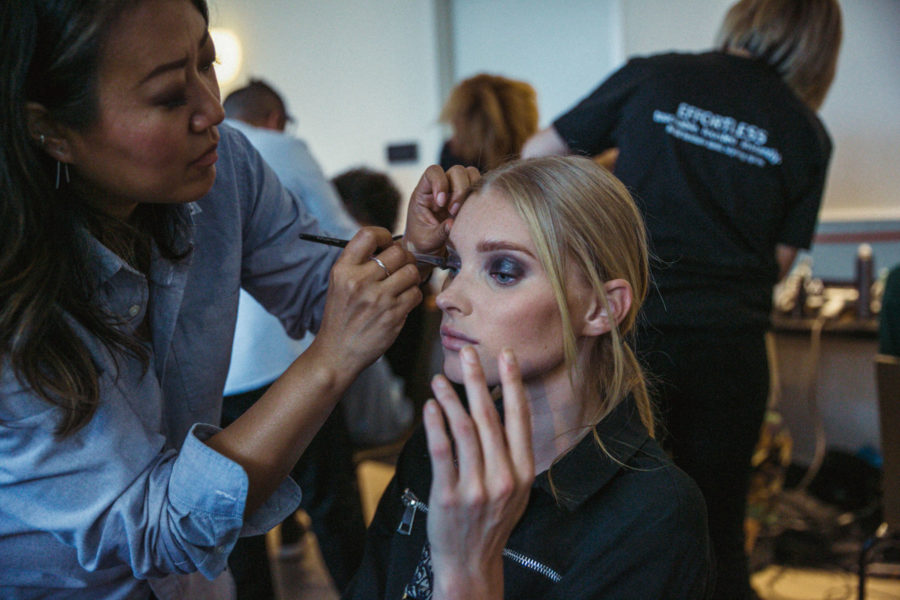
530	563
412	504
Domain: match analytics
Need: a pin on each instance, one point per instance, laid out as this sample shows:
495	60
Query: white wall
360	74
559	48
357	75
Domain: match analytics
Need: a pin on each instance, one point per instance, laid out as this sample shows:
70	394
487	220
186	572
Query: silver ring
381	264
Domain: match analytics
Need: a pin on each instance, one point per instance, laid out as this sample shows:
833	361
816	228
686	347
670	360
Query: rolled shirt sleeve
112	495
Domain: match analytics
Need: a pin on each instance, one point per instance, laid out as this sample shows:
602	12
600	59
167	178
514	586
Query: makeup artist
727	160
130	219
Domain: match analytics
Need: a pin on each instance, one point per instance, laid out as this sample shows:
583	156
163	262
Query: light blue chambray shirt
262	350
136	495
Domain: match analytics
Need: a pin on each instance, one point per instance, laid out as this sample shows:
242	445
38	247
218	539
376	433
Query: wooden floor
302	576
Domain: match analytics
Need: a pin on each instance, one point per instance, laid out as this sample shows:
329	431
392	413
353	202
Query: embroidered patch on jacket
420	588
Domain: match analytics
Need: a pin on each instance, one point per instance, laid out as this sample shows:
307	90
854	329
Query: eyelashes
503	269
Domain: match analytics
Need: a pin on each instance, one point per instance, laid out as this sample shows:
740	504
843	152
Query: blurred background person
262	351
372	198
369	196
492	117
889	318
727	159
259	112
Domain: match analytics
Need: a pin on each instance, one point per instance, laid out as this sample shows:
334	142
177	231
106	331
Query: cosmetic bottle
865	277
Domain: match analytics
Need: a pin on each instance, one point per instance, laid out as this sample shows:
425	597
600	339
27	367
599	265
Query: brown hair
52	53
799	38
492	117
255	103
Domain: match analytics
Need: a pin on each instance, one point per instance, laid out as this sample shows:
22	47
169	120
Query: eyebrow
493	246
175	64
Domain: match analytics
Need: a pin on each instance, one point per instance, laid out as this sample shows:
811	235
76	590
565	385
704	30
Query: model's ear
46	133
619	296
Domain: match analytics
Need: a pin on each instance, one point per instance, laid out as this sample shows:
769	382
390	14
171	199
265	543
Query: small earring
42	139
58	168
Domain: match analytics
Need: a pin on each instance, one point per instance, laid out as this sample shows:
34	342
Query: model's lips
454	340
207	158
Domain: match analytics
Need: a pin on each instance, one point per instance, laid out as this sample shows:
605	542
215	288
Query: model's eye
505	270
452	264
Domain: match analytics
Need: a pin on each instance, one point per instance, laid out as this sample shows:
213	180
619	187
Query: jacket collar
587	467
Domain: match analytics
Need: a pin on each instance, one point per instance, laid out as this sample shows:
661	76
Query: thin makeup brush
425	259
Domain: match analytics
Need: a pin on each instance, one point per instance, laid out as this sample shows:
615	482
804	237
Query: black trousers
326	475
711	391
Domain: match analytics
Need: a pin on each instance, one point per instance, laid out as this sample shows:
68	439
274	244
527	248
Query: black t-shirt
725	162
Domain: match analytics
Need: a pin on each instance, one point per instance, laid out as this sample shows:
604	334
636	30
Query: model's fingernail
509	357
468	355
438	382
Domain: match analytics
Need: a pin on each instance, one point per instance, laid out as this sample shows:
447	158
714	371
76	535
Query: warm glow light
228	54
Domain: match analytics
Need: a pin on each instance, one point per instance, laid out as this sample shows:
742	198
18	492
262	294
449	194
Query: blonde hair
492	117
799	38
583	221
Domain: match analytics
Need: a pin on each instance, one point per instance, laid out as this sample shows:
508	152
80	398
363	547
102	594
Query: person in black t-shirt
889	327
727	160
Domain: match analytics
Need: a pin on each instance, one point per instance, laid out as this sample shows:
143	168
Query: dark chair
887	379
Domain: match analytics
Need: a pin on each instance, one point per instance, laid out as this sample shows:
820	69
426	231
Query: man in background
262	351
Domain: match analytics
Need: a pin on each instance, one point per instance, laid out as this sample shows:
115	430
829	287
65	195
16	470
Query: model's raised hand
483	470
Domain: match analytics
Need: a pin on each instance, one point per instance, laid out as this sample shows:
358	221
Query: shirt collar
105	264
587	467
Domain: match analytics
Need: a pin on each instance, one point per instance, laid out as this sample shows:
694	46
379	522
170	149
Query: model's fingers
440	449
487	422
517	416
462	428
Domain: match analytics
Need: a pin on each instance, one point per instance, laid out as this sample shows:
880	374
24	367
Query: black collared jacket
624	524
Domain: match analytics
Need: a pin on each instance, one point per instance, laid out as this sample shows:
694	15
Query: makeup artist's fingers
365	308
440	449
392	260
461	181
434	201
516	418
365	243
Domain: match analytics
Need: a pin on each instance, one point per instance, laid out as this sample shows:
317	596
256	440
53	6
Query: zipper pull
409	513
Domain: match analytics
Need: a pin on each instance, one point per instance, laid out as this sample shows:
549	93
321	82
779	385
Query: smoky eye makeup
504	268
452	263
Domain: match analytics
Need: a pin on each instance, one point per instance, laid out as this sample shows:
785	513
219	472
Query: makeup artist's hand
476	502
367	302
433	204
